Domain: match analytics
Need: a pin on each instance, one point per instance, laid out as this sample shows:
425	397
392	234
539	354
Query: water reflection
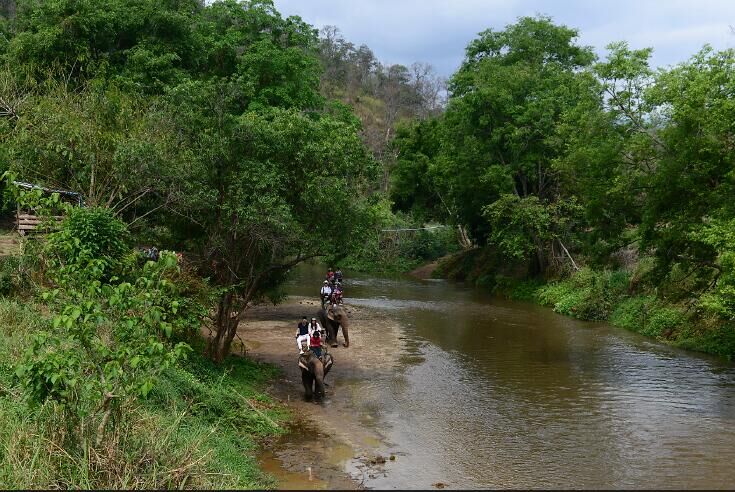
494	393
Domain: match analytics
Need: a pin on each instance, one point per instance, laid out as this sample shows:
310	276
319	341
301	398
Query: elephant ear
330	314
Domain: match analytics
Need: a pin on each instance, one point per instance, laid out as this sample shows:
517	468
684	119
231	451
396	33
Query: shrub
661	319
631	312
718	340
587	294
89	233
107	337
9	266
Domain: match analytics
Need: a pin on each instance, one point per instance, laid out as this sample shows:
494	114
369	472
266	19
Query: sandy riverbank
332	444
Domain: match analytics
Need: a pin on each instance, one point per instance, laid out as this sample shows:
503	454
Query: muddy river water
493	393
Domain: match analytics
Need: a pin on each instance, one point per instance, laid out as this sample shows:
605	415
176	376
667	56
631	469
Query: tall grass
197	429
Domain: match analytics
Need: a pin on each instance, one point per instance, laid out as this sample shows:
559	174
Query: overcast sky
437	31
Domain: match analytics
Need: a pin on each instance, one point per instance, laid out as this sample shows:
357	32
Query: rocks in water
377	460
439	485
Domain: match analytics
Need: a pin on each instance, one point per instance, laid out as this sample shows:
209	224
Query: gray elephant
313	372
331	319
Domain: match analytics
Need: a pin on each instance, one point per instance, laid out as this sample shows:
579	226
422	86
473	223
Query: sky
437	32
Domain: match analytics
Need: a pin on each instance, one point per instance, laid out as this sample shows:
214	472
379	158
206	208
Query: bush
631	312
94	391
718	340
90	233
520	290
587	294
106	338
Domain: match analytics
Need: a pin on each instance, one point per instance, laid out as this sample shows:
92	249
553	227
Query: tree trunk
464	239
225	329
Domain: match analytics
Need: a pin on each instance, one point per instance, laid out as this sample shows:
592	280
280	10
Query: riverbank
331	444
619	297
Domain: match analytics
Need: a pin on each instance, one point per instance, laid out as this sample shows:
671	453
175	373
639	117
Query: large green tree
266	190
497	135
202	122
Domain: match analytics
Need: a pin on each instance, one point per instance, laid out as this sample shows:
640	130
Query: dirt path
424	271
333	445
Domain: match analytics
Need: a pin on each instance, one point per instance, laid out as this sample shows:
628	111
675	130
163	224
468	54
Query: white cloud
437	31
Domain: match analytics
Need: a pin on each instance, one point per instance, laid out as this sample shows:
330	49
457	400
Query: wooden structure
27	221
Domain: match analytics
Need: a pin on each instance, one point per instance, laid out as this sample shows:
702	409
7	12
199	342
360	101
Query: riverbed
464	390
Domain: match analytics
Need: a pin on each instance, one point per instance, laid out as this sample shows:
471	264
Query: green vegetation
249	143
606	178
100	385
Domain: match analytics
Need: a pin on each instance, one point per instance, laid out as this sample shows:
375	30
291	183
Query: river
494	393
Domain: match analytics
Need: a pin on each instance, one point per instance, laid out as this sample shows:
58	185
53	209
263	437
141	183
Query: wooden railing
29	222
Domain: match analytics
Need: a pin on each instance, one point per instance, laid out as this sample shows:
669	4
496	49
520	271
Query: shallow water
493	393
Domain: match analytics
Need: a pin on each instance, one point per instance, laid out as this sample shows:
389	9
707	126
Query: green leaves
114	333
496	138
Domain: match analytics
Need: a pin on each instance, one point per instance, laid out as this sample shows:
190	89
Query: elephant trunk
317	369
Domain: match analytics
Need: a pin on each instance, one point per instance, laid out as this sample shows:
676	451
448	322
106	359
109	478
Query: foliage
178	427
106	338
586	294
395	242
201	124
523	226
275	187
720	236
87	234
552	158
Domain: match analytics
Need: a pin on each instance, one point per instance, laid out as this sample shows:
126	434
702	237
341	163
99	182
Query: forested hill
382	96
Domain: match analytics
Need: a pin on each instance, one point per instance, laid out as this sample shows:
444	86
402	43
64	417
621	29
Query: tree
266	190
692	181
148	42
496	136
606	150
103	143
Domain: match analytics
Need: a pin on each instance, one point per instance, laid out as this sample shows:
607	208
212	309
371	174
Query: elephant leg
335	333
328	363
308	379
346	335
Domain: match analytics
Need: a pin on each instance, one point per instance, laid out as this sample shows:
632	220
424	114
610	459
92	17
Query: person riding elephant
331	318
313	372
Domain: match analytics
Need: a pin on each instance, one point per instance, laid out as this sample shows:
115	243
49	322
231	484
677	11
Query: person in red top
315	343
330	276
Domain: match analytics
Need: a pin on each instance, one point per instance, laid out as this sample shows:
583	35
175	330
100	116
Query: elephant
313	372
331	319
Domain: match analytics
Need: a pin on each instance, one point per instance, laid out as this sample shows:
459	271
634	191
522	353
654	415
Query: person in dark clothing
302	334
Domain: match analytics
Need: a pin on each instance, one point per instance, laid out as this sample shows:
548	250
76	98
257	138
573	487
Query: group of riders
331	291
310	334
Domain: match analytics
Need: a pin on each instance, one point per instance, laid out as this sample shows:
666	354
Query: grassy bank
620	297
197	428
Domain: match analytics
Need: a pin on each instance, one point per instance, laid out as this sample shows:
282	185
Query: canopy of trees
202	125
547	154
